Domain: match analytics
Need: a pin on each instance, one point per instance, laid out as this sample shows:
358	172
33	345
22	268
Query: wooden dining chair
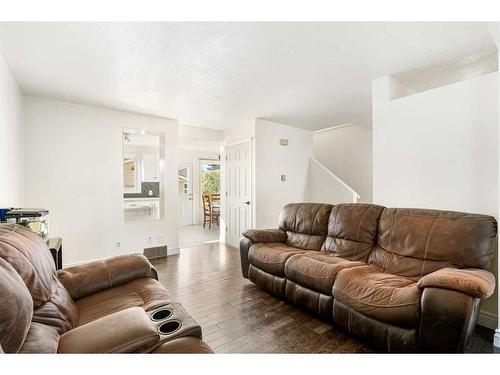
210	215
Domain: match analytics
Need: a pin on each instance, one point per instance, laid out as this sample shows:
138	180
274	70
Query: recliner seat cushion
305	224
352	230
271	257
146	293
317	270
382	296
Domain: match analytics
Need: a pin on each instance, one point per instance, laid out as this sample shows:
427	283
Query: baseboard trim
487	320
496	338
173	251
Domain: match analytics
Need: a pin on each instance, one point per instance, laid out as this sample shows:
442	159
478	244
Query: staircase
324	186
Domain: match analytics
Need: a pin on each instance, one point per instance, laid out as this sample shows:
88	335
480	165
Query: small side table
56	249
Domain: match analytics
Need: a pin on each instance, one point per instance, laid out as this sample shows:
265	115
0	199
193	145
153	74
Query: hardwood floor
237	317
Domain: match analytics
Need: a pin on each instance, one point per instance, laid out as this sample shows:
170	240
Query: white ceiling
310	75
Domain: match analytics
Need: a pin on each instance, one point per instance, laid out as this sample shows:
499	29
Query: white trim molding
173	250
238	142
332	128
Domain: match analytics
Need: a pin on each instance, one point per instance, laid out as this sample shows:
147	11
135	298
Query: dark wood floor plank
238	317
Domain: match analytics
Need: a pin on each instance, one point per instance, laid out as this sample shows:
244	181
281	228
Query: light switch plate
284	142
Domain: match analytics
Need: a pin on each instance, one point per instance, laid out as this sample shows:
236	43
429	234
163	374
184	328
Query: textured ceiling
457	69
310	75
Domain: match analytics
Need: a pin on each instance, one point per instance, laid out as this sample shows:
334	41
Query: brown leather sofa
402	279
111	306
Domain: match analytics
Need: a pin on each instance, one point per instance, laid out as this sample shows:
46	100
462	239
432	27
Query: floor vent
155	252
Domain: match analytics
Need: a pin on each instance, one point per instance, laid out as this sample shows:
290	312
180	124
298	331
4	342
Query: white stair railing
354	193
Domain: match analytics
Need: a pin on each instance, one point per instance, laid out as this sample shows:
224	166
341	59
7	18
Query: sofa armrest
474	282
447	320
183	345
265	235
126	331
93	277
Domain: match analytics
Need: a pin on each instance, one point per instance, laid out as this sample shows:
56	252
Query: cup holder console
171	321
169	327
161	315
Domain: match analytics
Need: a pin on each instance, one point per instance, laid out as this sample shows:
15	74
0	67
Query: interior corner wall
439	149
347	152
11	140
273	160
73	164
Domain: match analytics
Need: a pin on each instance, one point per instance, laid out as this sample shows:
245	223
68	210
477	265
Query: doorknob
247	202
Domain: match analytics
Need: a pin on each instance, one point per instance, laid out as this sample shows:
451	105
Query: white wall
73	168
495	32
200	139
11	140
194	157
239	132
438	149
323	188
347	152
271	161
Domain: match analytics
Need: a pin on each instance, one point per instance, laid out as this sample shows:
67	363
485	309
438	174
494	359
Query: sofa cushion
59	312
352	230
305	224
382	296
41	338
316	270
271	257
415	242
16	309
146	293
29	255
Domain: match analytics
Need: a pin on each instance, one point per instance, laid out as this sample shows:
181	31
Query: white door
238	179
185	178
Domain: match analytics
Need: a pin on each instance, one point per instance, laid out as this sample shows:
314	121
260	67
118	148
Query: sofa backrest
305	224
16	309
352	230
28	254
415	242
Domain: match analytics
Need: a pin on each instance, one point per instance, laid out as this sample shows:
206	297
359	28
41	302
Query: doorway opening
199	193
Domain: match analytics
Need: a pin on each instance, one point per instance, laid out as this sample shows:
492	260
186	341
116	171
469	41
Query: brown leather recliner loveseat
402	279
111	306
